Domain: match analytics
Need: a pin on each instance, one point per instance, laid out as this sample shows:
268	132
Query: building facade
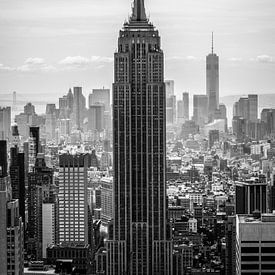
72	196
139	243
5	123
255	244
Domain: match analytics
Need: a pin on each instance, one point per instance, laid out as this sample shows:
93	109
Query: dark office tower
185	99
200	103
253	108
11	232
39	188
140	244
17	177
3	159
15	135
251	196
212	81
230	253
34	134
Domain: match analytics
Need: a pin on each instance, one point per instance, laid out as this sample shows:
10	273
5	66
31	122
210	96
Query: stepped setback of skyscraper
139	243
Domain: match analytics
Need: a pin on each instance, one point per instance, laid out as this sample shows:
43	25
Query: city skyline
74	44
139	176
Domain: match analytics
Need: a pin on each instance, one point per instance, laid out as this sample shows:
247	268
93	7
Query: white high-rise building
73	203
48	226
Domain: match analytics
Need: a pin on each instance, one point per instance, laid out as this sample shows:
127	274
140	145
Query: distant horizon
40	106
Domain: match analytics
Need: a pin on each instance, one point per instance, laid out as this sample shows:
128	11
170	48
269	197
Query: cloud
80	62
264	59
37	64
75	61
34	61
34	64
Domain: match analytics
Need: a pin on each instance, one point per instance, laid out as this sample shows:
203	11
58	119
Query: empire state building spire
139	11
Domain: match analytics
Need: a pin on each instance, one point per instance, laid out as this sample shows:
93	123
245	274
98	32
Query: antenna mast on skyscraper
212	42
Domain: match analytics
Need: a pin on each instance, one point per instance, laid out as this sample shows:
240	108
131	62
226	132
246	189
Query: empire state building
139	239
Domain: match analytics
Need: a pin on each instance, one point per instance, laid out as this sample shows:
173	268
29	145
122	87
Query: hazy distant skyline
49	46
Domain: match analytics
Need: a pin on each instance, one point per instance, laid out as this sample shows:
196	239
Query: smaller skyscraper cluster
246	123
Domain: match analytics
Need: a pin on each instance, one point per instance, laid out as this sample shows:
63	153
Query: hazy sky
48	46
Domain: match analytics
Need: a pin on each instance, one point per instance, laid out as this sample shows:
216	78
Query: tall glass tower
212	82
139	242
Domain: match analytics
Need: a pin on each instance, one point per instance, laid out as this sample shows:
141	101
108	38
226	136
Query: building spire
212	43
139	11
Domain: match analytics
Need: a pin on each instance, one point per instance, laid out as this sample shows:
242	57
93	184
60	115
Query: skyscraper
212	81
73	205
5	123
34	134
139	241
79	106
268	117
100	96
253	108
255	244
50	123
17	177
185	99
3	202
180	112
32	148
39	184
200	109
96	117
171	105
3	159
169	87
251	196
11	226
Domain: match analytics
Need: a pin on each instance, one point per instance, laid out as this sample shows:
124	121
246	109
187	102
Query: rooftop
264	218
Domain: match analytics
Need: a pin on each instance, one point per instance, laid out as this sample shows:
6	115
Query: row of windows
257	267
257	249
